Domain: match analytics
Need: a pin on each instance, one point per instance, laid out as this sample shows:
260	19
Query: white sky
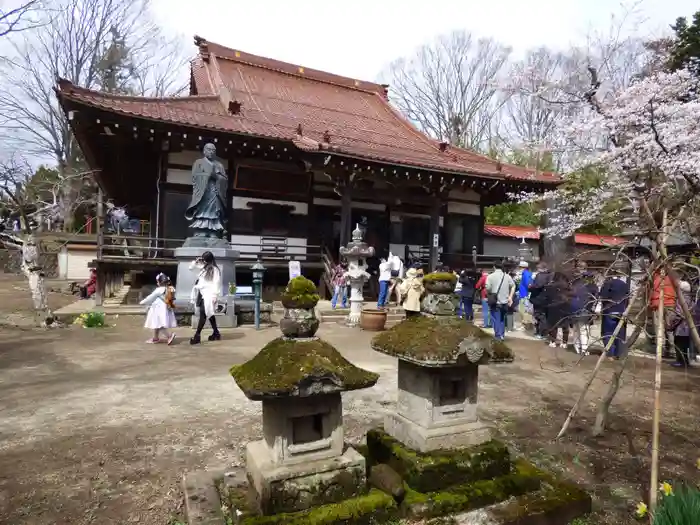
358	38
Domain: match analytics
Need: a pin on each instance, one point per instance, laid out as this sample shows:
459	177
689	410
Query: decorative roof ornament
357	234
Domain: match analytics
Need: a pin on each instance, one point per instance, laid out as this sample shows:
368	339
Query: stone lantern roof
357	248
430	342
299	368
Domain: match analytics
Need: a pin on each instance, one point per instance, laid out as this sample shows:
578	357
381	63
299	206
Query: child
160	315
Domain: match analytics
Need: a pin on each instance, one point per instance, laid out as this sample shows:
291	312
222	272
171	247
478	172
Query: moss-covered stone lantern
440	299
438	376
302	460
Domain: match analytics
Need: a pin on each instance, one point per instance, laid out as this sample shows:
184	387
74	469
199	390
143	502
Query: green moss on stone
423	338
431	471
469	496
314	491
557	498
373	507
440	276
284	367
300	293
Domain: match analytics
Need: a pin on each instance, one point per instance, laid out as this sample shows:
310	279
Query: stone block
437	396
299	430
225	259
425	439
437	470
300	486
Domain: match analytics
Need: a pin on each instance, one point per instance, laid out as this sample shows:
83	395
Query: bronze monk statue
207	210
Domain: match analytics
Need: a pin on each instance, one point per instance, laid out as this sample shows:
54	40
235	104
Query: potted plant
299	300
440	282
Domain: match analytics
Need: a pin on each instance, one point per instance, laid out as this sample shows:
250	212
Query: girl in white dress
160	316
205	295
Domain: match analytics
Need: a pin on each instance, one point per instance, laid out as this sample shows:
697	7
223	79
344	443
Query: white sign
436	240
294	269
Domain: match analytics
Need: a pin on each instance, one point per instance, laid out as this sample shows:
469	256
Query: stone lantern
356	254
439	361
302	460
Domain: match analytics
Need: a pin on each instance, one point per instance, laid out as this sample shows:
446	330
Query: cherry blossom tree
646	139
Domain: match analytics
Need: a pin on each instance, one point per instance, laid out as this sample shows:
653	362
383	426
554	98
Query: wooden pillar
434	240
345	212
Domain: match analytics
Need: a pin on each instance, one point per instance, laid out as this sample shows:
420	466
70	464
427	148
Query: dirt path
97	427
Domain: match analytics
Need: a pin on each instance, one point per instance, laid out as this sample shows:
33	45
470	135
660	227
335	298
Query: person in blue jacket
523	294
614	297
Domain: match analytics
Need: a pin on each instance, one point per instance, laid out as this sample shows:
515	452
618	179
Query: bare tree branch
18	18
450	88
75	46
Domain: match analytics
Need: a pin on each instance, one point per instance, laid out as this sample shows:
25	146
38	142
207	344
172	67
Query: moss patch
431	471
440	277
558	501
284	368
469	496
374	507
300	293
438	340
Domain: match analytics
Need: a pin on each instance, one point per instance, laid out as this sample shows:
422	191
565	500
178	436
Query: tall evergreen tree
686	49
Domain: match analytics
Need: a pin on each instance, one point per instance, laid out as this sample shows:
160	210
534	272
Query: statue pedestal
225	259
356	300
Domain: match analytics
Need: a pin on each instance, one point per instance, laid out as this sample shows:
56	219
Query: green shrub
91	320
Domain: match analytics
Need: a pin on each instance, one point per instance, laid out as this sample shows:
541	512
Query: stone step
119	298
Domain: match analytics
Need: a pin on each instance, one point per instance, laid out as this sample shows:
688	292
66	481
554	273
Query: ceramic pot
373	320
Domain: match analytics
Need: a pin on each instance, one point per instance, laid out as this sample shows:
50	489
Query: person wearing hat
523	293
411	291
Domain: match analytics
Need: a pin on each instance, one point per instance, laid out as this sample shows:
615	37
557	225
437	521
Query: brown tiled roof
278	100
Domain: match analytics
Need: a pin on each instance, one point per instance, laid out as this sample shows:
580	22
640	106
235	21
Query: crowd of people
559	308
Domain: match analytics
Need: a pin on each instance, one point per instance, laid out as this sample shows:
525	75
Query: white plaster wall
464	208
186	157
76	264
177	176
465	195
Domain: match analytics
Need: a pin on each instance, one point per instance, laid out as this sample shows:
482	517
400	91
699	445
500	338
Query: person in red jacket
669	305
88	288
481	285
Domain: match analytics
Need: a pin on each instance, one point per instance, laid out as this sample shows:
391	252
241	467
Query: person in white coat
205	295
161	317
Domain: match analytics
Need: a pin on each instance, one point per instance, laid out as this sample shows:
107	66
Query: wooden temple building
309	154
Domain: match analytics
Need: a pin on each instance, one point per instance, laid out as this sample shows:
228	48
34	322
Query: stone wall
10	262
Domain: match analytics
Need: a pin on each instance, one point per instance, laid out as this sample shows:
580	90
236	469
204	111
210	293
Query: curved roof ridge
65	86
235	55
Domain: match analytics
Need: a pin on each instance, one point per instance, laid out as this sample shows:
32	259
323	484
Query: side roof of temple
235	92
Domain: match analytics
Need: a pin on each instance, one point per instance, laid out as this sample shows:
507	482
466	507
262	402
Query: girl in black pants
205	294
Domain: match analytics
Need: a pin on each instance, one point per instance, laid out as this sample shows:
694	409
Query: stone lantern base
426	439
288	488
436	407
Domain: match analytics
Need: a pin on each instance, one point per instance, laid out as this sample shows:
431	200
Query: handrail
328	266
